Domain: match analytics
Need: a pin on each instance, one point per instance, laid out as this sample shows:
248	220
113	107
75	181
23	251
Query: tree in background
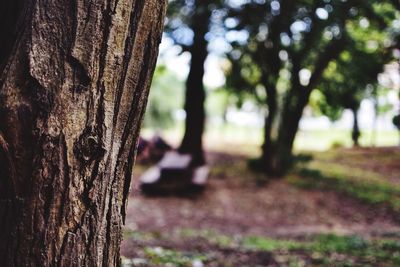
188	24
396	122
74	80
354	77
290	45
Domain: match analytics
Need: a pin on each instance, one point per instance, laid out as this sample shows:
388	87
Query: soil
235	204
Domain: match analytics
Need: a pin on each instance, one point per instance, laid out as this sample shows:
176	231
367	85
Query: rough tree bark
73	87
195	95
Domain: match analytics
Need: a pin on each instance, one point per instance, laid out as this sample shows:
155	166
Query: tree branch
331	52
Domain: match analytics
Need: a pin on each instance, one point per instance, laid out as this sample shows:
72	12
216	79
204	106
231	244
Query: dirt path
213	228
233	204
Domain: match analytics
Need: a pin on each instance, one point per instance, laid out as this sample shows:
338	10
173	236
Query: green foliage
353	75
166	97
293	46
299	32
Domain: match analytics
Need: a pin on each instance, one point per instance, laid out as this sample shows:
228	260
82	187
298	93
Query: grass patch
267	244
318	250
377	193
354	250
326	173
210	237
160	256
330	249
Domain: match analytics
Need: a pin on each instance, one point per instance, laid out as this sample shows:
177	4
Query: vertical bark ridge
72	97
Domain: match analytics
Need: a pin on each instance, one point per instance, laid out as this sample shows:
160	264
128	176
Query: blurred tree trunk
268	147
195	94
374	122
278	160
355	134
73	87
288	127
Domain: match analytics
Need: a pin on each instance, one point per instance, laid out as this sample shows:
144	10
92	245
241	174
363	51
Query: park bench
174	174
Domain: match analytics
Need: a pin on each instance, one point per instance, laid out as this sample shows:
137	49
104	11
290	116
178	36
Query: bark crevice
72	95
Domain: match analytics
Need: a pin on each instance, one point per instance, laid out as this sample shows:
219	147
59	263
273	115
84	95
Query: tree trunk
195	95
355	134
268	147
280	158
289	125
375	118
73	88
295	102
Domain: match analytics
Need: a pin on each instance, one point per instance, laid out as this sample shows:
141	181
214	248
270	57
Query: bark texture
74	81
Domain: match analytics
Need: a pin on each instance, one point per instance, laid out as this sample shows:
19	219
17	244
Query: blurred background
271	137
